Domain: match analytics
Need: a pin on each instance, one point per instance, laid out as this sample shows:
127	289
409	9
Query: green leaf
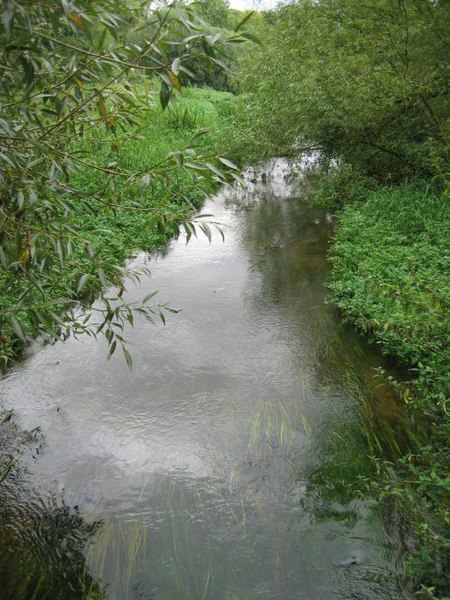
149	297
17	328
190	230
102	276
220	62
128	358
112	348
215	170
251	37
164	95
179	158
206	230
194	166
238	39
244	20
82	282
228	163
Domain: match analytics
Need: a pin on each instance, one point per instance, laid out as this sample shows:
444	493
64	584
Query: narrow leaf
174	79
228	163
244	20
128	358
17	328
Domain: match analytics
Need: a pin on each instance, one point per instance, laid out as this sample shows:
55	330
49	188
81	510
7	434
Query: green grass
391	278
191	122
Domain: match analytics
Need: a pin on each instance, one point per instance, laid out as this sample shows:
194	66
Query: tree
67	68
210	66
365	83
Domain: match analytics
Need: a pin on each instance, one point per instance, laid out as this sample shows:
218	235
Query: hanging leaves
68	70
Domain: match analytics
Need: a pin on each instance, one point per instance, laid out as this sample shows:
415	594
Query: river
227	464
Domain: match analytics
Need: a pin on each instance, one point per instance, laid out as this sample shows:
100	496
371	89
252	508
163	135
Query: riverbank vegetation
102	155
106	151
390	278
128	218
367	88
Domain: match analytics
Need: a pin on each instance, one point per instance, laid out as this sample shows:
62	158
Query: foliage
367	84
216	12
391	278
366	87
67	73
339	184
209	62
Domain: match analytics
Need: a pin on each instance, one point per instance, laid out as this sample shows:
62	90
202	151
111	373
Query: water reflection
223	466
42	539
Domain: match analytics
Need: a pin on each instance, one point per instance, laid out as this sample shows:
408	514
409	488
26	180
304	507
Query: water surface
226	464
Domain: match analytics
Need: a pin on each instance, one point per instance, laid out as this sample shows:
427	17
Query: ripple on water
223	465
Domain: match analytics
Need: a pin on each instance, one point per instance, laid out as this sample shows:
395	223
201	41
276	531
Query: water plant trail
223	465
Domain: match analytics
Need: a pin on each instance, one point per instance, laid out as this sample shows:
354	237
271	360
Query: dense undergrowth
391	278
130	226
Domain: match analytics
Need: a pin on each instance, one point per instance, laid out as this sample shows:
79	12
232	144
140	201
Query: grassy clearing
391	259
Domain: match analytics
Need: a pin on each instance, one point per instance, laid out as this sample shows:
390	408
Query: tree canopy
365	83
